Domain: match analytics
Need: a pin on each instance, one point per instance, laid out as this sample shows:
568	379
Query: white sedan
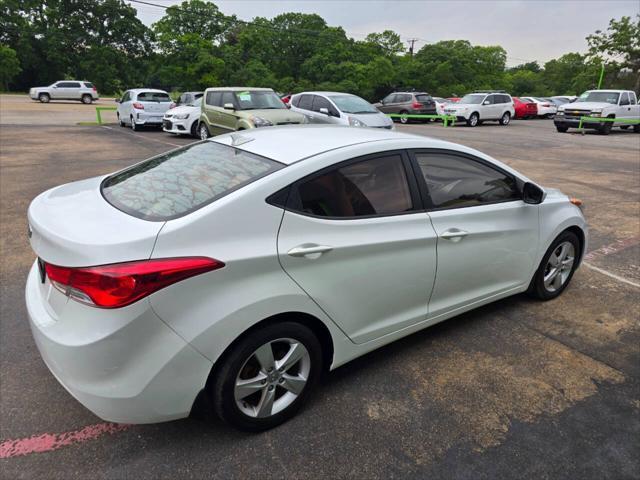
183	119
546	108
247	265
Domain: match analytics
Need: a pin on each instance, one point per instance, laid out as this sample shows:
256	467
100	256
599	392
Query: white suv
475	108
65	90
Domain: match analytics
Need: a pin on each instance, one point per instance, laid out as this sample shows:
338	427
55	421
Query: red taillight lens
121	284
95	89
417	105
138	105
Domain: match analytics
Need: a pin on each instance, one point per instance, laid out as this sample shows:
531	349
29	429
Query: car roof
138	90
239	89
292	143
325	93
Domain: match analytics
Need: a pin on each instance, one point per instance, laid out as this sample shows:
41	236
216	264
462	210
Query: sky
529	30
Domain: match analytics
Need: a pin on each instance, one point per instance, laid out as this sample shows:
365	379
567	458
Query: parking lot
515	389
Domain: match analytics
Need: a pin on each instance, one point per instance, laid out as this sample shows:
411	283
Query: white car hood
585	105
182	109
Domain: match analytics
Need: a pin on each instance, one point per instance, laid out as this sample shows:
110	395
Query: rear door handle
308	249
454	234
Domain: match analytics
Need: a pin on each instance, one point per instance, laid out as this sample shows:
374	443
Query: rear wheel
266	377
473	120
44	97
87	99
134	127
557	267
562	129
203	131
506	118
404	119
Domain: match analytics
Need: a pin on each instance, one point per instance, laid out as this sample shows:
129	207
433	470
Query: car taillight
95	89
416	105
138	105
121	284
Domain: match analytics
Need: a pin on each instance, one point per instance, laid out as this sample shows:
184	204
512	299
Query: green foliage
9	66
194	46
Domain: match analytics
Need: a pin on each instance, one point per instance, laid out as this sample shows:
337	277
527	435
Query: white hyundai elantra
246	265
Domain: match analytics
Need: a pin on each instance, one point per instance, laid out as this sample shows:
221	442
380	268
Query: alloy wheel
272	378
204	133
559	266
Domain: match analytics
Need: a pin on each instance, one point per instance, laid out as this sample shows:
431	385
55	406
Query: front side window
179	182
454	181
321	102
472	99
228	97
632	98
370	187
624	100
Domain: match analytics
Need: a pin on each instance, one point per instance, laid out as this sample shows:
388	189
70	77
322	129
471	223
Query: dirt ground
516	389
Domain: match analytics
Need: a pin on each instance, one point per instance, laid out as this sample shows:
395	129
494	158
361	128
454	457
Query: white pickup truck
618	104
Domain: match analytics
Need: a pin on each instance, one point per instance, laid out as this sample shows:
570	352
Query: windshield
352	104
608	97
258	100
154	97
182	181
474	99
196	103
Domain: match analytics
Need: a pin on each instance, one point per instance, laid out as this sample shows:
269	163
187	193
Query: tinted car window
305	102
632	97
403	98
424	98
179	182
624	99
228	97
88	84
68	85
371	187
455	181
154	97
389	98
321	102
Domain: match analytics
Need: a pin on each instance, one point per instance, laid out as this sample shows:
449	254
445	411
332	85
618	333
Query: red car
525	109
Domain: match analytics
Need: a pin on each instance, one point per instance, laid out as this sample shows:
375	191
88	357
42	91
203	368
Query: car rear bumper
148	118
125	365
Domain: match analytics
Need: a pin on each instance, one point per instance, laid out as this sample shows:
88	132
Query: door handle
309	249
454	234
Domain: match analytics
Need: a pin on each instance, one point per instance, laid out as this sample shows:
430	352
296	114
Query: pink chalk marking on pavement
48	442
612	248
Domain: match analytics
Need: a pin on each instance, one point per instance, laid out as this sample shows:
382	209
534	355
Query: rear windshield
182	181
154	97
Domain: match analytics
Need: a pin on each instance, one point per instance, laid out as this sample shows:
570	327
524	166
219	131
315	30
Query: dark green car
228	109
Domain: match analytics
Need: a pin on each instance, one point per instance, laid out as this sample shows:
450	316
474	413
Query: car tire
473	120
193	131
606	128
203	131
636	129
506	118
87	99
134	127
404	119
562	129
44	98
277	392
624	127
548	283
120	122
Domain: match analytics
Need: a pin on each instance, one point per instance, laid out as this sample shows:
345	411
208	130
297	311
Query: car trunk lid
74	226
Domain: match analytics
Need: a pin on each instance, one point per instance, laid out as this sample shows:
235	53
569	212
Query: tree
9	66
621	42
389	42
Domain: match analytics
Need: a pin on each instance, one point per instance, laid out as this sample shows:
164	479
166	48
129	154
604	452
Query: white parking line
144	137
612	275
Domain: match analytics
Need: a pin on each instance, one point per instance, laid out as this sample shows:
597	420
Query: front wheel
606	128
267	376
44	98
557	267
473	120
506	118
204	131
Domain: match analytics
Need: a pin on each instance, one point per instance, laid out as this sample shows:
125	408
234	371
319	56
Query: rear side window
370	187
88	84
455	181
424	98
305	102
182	181
153	97
403	98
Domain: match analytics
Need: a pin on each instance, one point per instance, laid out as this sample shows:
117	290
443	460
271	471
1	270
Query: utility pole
412	41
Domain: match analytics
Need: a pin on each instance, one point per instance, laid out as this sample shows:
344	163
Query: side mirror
486	102
324	110
229	106
382	101
533	194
